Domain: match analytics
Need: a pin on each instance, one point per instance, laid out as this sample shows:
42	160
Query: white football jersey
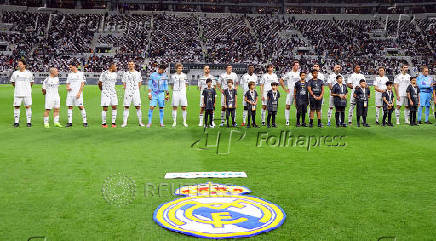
51	86
380	82
320	76
108	80
132	79
354	79
246	79
22	82
403	81
224	77
202	82
179	81
291	77
267	79
75	80
332	78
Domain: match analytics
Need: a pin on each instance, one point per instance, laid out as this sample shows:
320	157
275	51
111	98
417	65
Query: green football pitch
380	181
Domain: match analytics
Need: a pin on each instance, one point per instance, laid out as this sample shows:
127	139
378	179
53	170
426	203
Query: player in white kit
22	80
331	81
352	82
222	85
201	86
132	82
179	83
401	82
106	84
75	83
291	77
50	88
265	85
248	77
380	87
320	75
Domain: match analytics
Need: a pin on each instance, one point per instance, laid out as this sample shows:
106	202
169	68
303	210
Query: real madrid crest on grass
218	211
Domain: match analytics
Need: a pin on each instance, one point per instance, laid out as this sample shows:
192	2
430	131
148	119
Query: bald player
50	88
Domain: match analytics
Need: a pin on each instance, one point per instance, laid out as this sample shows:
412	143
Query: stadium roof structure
243	6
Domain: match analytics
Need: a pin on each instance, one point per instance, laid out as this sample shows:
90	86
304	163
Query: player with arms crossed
291	78
246	79
265	85
109	97
401	82
75	83
380	88
201	86
157	93
352	83
222	86
22	80
132	82
331	81
179	83
50	88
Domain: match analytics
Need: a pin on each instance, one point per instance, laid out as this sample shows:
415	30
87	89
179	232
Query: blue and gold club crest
218	211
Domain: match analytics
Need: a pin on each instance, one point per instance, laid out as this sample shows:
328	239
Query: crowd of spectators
53	40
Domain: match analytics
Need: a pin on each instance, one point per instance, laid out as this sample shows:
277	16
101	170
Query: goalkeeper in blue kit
157	93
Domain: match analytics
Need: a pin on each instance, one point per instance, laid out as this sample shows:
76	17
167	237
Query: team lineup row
302	90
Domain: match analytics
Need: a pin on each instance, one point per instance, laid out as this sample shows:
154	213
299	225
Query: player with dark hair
106	84
75	82
291	78
353	82
246	79
380	88
266	85
22	80
401	82
132	82
202	85
158	93
222	86
424	82
179	84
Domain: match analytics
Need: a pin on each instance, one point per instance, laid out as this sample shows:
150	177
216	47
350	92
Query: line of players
412	93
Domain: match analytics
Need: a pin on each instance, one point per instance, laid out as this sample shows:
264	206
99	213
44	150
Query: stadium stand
54	37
